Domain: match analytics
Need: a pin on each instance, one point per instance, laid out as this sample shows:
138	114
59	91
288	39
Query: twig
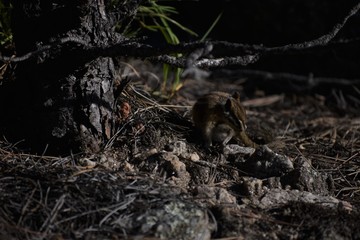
54	212
42	49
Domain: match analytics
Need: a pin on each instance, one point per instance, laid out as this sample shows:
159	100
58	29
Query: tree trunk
63	101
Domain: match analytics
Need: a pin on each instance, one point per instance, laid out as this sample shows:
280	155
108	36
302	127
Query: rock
237	149
306	178
215	195
279	197
176	220
264	163
175	169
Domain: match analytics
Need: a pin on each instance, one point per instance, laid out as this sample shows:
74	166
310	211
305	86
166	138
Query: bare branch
247	53
56	43
323	40
207	63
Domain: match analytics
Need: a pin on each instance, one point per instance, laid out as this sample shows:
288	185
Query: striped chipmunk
220	117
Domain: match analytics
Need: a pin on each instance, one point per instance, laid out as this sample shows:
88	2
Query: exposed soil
155	180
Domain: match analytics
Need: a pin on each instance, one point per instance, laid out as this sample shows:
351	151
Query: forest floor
155	180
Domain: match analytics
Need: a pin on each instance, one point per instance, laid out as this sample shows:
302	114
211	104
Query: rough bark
63	101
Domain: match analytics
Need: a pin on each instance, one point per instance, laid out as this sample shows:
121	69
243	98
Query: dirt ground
155	180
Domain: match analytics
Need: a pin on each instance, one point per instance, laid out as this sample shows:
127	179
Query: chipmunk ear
228	105
236	95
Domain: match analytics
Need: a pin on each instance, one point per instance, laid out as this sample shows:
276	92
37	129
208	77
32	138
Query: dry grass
47	197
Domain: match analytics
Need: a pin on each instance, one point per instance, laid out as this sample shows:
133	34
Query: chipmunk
220	117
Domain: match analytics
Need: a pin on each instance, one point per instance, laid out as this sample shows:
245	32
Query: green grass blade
211	27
